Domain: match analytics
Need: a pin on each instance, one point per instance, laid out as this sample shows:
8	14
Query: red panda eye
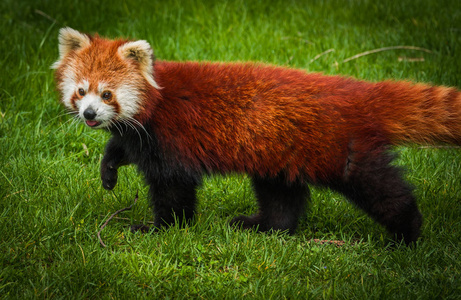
81	92
106	95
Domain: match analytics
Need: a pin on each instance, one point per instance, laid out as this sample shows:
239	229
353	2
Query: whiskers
135	125
124	126
117	126
74	121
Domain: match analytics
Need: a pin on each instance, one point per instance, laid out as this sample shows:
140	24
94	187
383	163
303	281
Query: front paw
140	228
109	178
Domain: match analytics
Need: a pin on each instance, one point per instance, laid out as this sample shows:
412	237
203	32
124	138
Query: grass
52	203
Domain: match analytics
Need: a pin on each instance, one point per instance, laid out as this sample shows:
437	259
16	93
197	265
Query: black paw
247	222
258	223
109	178
140	228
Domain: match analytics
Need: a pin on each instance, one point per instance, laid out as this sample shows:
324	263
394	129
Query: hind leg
378	188
280	205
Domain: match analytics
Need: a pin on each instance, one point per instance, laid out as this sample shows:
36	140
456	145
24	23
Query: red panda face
103	82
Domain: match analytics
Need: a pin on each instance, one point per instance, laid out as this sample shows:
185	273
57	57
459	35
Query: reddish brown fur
284	127
268	120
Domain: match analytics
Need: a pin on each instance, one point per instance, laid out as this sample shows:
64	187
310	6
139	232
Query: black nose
89	113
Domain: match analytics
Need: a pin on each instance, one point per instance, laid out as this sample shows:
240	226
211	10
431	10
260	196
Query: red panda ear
142	53
70	40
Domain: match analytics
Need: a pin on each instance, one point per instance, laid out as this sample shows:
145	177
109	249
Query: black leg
172	200
281	204
377	187
114	157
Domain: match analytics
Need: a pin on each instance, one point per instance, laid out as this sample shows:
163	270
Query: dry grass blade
321	54
386	49
112	216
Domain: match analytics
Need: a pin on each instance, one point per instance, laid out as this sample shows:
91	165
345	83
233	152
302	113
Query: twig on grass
126	219
112	216
411	59
439	147
321	54
39	12
386	49
337	243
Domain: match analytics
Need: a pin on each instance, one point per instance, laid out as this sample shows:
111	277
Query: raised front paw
108	177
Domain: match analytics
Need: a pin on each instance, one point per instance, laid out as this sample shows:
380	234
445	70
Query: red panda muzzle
90	115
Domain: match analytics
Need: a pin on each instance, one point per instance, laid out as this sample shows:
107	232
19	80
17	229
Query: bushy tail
418	113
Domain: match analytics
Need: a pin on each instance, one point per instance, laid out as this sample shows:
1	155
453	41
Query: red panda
285	128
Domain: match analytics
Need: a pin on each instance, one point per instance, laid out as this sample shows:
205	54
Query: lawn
52	203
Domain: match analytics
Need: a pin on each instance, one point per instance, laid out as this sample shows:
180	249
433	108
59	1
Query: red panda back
253	118
266	120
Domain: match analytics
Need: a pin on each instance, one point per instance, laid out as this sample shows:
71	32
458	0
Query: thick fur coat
284	127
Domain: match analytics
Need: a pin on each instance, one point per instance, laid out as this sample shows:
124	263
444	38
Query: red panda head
104	81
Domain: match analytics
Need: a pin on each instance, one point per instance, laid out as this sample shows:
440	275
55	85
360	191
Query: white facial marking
128	98
102	87
85	85
68	86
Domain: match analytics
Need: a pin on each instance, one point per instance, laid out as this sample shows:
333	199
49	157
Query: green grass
52	203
